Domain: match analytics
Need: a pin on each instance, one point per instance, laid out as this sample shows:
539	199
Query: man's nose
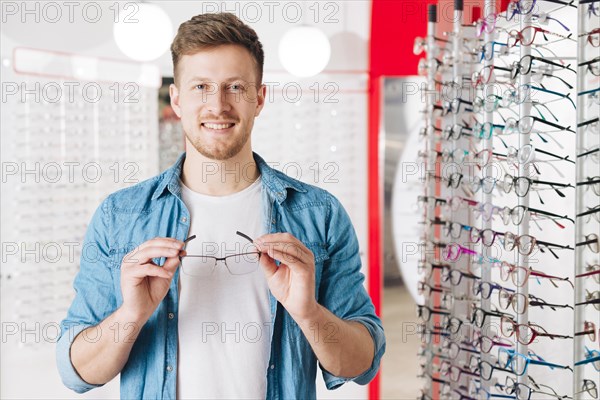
217	102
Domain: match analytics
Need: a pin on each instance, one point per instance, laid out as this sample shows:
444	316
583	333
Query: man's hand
293	282
143	283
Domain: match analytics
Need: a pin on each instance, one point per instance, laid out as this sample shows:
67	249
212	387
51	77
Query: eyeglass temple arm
553	184
585	332
548	244
542	212
592	61
189	239
593	301
244	236
551	365
586	242
542	303
589	122
588	182
541	274
586	153
564	96
588	273
557	126
588	360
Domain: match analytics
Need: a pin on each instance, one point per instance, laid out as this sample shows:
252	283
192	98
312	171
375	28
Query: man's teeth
218	126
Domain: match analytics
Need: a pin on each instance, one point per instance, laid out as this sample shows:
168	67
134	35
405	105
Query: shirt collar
275	182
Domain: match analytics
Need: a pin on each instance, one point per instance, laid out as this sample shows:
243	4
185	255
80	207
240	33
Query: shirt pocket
118	252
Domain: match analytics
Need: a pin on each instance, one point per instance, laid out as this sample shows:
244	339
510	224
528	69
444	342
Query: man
202	319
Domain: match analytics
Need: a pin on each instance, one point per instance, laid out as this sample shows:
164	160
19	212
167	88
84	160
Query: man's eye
236	87
201	86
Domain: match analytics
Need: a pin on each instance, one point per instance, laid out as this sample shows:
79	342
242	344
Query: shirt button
273	220
169	368
272	366
171	315
183	219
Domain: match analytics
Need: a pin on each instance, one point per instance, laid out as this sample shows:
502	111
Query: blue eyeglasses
591	356
510	358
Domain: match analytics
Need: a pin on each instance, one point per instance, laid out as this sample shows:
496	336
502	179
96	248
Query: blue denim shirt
153	208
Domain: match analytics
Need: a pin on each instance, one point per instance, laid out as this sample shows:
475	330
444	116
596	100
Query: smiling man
220	277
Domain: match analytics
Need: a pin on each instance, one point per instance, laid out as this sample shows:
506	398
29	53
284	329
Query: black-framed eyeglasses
453	349
425	312
425	289
486	370
592	241
455	132
592	65
517	213
591	298
455	229
455	276
486	289
453	181
590	125
523	67
594	182
525	125
485	343
452	324
588	386
521	7
523	391
479	316
520	302
592	152
236	264
522	185
427	268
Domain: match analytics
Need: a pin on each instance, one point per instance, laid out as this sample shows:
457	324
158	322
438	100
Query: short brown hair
207	31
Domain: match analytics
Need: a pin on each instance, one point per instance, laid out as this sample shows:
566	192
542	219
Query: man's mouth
217	127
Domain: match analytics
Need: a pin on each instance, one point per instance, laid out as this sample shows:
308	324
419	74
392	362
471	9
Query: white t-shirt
224	319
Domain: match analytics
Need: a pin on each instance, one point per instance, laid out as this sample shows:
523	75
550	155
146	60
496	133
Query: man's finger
282	237
161	242
142	271
269	266
287	259
290	252
145	255
172	263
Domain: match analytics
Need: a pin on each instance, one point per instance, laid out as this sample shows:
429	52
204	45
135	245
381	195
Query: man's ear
174	94
261	95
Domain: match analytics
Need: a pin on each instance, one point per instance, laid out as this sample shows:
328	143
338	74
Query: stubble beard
222	150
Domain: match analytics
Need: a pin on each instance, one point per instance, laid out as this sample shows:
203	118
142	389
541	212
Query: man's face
217	99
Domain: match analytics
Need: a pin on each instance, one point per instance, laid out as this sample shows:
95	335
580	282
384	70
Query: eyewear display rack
74	129
510	245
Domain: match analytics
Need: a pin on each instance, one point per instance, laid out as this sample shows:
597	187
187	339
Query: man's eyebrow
201	78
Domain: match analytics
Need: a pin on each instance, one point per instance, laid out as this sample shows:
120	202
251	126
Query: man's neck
218	177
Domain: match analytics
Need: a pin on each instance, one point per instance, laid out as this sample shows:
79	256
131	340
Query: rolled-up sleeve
94	297
342	290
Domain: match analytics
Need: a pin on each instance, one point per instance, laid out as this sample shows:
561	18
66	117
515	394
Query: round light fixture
144	35
304	51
